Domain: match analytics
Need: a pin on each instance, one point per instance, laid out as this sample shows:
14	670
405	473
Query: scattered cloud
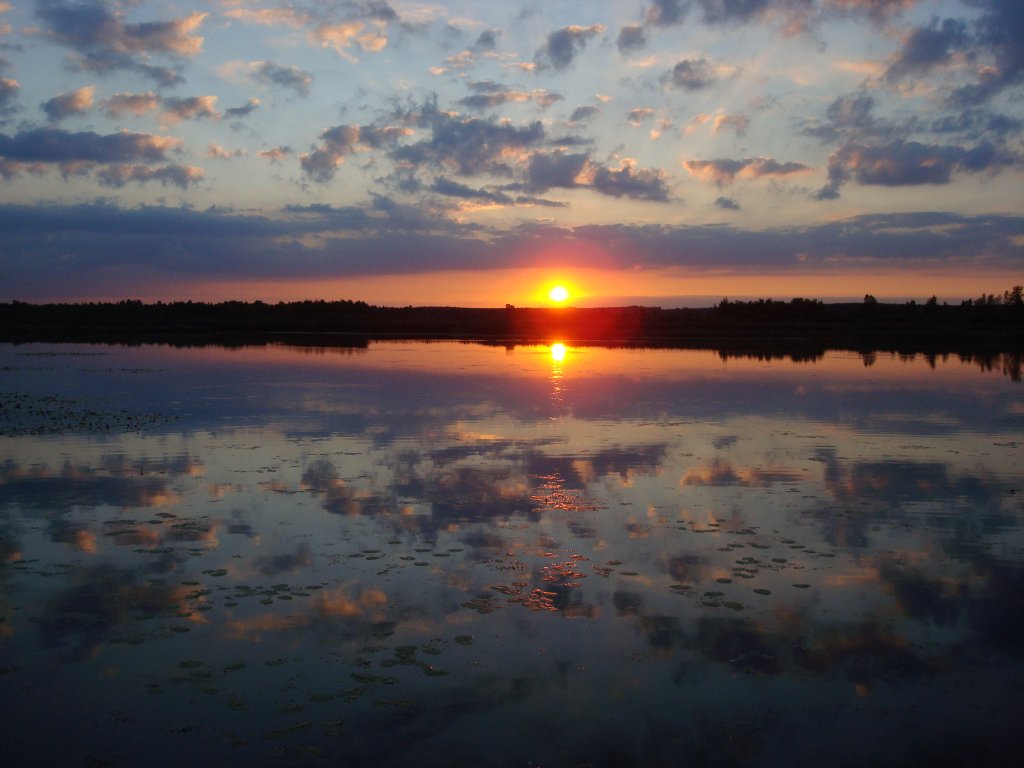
102	41
8	94
467	146
189	108
269	73
629	181
738	124
690	75
487	40
724	171
631	39
488	95
639	116
667	13
584	113
116	158
243	111
69	104
121	104
563	45
910	163
877	10
999	52
341	27
571	171
52	145
120	174
322	162
892	94
277	154
928	47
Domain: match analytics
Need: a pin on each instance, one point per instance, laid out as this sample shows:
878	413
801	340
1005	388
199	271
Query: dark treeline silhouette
806	327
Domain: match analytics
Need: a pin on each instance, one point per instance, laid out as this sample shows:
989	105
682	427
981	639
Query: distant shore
991	326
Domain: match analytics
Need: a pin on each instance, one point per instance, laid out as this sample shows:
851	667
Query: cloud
468	146
583	113
322	162
103	41
639	115
667	13
487	40
8	93
277	154
571	171
690	75
51	145
724	171
121	155
795	13
68	104
910	163
975	123
490	94
189	108
121	104
631	38
926	48
291	77
727	203
562	46
173	109
736	123
878	10
851	117
340	27
998	35
556	169
118	175
216	152
342	36
449	188
162	242
632	182
244	111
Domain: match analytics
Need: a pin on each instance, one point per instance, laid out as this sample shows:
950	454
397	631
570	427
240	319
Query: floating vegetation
480	604
290	730
24	414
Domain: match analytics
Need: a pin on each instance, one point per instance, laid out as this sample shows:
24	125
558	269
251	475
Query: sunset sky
659	152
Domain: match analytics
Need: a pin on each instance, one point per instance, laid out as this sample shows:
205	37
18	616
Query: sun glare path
558	294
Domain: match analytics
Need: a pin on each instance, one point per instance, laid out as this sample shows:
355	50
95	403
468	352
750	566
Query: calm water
451	554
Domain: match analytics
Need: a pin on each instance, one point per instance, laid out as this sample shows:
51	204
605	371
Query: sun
558	294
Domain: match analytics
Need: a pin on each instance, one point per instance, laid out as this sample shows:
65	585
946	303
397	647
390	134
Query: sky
658	152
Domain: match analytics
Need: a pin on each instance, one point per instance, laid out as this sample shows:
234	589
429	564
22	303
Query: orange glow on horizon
604	287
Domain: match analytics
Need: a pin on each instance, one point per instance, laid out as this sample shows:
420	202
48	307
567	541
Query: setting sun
558	294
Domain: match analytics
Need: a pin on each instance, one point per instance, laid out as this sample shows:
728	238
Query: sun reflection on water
558	352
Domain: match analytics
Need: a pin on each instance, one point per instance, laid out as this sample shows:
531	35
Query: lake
440	554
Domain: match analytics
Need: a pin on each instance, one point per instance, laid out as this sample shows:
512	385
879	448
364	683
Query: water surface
456	554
